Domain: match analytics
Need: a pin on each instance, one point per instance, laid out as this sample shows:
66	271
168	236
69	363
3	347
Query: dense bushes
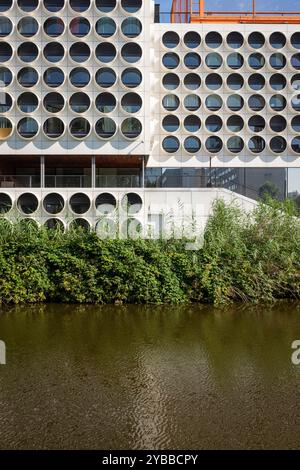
243	258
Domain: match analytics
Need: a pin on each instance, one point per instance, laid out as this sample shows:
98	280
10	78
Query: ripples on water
149	377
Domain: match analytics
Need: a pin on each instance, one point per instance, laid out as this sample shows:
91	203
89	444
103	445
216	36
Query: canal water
113	377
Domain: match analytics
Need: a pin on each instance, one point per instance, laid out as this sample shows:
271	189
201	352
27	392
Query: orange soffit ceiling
193	11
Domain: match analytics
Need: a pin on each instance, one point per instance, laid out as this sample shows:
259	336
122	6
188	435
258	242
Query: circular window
278	123
213	40
106	102
235	144
80	27
170	102
213	144
5	51
106	27
278	144
278	81
277	40
213	81
54	5
53	128
105	203
80	5
54	224
6	26
192	40
5	5
131	52
79	224
213	60
106	77
277	61
170	39
213	102
170	144
192	102
53	203
235	102
171	81
235	40
131	6
28	5
131	27
256	102
80	203
192	144
170	123
54	102
235	123
80	77
296	144
235	60
5	77
171	60
28	52
192	81
256	40
256	144
28	203
131	102
256	61
132	203
295	40
296	123
80	102
256	81
5	203
106	52
295	81
131	78
192	60
80	52
296	103
54	52
131	128
28	27
106	6
79	128
295	61
27	128
54	77
235	81
6	128
192	123
277	102
27	77
27	102
54	27
106	128
213	123
256	123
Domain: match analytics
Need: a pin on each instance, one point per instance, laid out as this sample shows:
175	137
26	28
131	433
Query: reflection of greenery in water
156	377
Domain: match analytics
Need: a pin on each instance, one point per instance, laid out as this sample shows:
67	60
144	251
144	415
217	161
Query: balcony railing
68	181
20	181
118	181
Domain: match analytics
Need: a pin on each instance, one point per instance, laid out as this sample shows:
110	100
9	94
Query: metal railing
20	181
68	181
118	181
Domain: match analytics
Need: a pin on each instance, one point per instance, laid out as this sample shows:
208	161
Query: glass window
278	82
171	81
28	5
235	81
106	128
213	123
192	102
256	40
5	26
213	40
80	27
79	128
54	77
131	6
214	144
278	144
106	6
256	144
5	5
278	123
256	123
131	128
54	5
170	144
106	102
28	27
5	51
192	60
192	81
79	102
131	78
170	123
235	40
170	39
277	61
213	60
256	102
235	144
80	52
131	27
296	103
5	77
295	40
54	27
27	77
106	52
5	102
256	61
192	123
256	81
277	40
5	128
170	102
213	81
214	102
171	60
235	123
53	127
277	102
296	123
80	77
27	102
80	5
192	40
54	102
295	81
106	27
295	61
235	60
54	52
27	128
296	144
235	102
131	102
131	52
192	144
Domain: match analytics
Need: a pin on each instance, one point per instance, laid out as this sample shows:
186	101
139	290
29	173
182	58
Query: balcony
70	181
20	181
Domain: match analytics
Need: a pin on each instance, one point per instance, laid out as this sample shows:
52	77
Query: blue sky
266	5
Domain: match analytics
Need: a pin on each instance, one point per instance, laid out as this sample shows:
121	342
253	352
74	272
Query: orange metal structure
193	11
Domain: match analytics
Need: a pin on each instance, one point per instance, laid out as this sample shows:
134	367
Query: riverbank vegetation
249	258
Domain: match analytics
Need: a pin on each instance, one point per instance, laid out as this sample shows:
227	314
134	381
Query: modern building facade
101	103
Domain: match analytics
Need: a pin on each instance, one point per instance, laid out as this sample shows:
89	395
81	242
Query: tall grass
245	257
